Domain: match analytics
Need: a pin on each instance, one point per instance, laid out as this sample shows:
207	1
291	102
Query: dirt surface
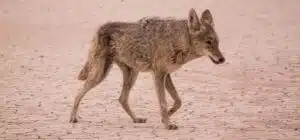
255	95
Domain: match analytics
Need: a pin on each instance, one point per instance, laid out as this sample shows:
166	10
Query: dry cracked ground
254	95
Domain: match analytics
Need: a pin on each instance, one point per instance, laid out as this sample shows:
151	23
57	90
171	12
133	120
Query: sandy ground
255	95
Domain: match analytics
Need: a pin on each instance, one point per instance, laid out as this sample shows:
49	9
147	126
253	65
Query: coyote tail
96	58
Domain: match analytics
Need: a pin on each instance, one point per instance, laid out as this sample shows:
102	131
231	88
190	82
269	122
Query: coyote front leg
160	78
174	94
129	78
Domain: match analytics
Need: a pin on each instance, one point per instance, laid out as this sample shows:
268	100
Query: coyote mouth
214	61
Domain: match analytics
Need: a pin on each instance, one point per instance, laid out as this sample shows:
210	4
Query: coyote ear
193	20
207	18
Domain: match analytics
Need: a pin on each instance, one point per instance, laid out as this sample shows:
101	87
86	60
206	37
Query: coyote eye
209	42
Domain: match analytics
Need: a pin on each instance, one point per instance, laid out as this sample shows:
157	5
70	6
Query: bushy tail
83	74
97	58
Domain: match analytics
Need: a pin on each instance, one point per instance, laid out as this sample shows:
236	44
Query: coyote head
203	36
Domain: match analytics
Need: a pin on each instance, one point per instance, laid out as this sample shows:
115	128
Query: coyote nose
221	60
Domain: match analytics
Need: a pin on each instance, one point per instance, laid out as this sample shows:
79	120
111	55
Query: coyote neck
190	53
181	57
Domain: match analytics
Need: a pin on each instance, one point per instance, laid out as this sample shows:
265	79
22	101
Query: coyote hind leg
129	78
95	76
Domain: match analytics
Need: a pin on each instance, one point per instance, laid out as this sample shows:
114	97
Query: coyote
151	44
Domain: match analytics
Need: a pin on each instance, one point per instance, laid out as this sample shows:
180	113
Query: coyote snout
212	50
216	56
218	60
155	45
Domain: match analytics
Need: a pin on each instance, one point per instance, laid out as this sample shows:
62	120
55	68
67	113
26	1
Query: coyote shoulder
151	44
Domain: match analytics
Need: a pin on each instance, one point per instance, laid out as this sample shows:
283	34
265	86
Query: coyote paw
73	119
171	127
140	120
